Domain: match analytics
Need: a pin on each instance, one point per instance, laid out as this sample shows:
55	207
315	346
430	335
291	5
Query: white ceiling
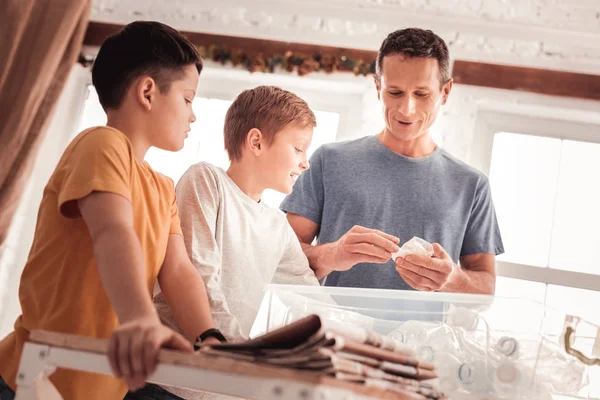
556	34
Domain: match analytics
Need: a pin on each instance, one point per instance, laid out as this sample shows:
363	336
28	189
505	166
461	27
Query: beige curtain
41	41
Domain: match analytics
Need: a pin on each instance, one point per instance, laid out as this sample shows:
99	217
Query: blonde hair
267	108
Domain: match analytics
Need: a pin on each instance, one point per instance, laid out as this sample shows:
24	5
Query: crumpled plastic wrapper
415	245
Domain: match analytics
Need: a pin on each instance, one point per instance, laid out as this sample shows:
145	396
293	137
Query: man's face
411	96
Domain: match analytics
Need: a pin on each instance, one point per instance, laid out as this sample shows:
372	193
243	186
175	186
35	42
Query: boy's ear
255	141
145	92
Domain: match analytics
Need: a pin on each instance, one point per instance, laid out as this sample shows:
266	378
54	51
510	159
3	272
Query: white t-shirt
238	246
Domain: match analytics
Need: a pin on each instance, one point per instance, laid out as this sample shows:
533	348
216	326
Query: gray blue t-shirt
361	182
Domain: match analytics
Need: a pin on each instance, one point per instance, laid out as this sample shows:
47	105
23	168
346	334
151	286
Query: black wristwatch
212	332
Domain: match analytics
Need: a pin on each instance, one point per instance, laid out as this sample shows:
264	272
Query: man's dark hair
414	42
142	47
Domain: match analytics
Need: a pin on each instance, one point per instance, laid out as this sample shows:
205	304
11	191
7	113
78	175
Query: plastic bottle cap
507	346
465	373
473	377
507	373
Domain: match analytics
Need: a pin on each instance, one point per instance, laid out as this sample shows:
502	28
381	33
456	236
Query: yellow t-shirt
60	287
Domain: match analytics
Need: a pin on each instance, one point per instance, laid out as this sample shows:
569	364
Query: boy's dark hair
142	47
414	42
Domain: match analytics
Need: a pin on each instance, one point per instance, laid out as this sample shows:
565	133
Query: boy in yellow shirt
108	226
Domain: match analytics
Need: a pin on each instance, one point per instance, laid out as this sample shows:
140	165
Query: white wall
562	35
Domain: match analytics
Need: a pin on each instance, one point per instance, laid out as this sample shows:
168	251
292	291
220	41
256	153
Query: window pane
325	132
530	314
578	302
575	235
93	114
208	131
519	288
523	176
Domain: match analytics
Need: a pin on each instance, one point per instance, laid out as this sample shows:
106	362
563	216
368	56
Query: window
547	206
547	201
524	177
205	141
542	163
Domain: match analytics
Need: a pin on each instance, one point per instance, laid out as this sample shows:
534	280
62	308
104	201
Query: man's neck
245	177
420	147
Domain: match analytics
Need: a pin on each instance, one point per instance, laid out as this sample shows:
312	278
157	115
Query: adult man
361	196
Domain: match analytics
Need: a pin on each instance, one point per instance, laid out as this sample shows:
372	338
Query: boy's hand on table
133	348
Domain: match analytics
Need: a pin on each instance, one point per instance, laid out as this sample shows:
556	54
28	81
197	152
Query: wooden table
46	351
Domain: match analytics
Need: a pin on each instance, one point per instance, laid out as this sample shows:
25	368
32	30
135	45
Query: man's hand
359	245
133	348
427	273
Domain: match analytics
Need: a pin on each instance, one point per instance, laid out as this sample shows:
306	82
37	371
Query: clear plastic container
481	345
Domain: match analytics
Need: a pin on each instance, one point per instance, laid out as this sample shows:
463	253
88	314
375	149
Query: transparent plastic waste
483	347
415	245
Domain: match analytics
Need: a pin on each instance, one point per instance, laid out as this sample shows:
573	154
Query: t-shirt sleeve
293	268
483	233
175	220
99	161
199	197
308	196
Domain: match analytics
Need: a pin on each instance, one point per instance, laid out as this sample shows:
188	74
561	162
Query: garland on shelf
291	62
300	63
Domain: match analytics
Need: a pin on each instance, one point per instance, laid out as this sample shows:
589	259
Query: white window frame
492	118
344	92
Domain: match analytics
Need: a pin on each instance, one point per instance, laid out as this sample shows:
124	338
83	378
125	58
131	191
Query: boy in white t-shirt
237	243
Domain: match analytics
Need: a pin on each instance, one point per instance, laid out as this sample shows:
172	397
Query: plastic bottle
411	332
446	365
475	377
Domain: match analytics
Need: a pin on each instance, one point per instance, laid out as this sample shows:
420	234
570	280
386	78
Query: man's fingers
418	269
362	229
369	250
439	252
387	236
417	286
419	281
374	239
422	260
414	285
363	258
